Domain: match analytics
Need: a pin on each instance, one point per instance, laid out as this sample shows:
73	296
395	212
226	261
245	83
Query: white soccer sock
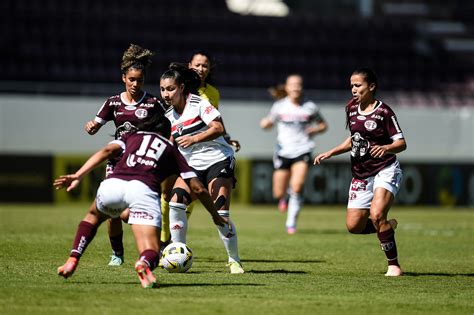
228	235
178	222
294	207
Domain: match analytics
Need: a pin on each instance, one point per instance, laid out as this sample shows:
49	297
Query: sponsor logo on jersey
360	117
141	113
115	103
209	109
147	105
130	107
352	114
370	125
375	116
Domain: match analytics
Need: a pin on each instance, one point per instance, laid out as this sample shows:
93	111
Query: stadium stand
53	46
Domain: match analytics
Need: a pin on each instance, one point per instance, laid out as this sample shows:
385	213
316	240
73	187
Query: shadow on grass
321	232
169	285
298	261
437	274
277	271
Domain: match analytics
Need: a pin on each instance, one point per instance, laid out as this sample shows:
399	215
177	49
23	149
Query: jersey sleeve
105	113
273	114
208	112
393	128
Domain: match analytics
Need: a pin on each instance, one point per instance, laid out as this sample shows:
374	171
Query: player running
298	120
375	138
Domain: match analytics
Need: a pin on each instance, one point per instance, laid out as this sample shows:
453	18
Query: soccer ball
177	257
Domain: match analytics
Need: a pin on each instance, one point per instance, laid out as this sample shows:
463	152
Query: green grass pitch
321	270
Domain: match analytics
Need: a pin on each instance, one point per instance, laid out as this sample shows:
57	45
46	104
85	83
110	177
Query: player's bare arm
396	147
216	129
71	181
342	148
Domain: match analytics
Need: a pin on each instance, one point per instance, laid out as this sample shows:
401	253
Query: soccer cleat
116	260
393	223
291	230
236	267
145	275
394	271
68	268
283	205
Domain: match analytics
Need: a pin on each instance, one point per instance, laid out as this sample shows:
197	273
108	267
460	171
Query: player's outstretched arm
71	181
342	148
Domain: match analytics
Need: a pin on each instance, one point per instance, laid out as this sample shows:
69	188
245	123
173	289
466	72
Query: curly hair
136	57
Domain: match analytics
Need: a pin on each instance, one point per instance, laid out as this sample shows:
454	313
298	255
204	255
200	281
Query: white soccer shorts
361	191
115	195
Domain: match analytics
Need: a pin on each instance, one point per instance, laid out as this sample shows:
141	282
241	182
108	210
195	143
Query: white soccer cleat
236	267
116	260
394	271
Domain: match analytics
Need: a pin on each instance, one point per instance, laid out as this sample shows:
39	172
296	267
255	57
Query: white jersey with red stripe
292	121
196	116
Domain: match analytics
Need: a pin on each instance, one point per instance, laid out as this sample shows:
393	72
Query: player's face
294	87
362	91
134	80
171	92
201	65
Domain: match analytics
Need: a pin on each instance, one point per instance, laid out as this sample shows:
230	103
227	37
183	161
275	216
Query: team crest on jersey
179	128
370	125
141	113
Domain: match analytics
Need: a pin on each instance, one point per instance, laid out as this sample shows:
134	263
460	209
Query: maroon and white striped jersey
125	115
379	127
149	158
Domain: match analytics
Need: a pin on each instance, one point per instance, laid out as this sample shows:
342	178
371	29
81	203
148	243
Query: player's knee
220	202
180	195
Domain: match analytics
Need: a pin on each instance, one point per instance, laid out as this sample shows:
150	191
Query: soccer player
375	139
198	131
126	110
200	62
146	159
299	120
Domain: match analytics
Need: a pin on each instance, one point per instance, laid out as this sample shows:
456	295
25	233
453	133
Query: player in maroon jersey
126	110
375	139
146	159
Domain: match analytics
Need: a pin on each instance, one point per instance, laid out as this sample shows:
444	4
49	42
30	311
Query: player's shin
178	222
165	221
228	235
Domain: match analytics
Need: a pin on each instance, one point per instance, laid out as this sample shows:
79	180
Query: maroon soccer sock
388	245
84	235
150	257
117	244
369	228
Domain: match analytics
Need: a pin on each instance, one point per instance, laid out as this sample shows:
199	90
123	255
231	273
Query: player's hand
70	181
92	127
323	156
185	141
378	151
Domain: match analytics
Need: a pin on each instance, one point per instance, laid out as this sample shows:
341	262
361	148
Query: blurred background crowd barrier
60	60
